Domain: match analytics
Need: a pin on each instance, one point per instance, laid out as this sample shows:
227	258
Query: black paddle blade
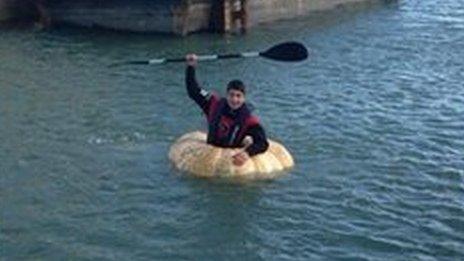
287	52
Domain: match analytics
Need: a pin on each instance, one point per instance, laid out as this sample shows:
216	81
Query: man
229	119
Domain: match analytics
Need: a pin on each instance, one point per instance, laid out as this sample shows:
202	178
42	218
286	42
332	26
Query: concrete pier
165	16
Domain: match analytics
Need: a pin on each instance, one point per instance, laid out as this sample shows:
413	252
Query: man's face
235	99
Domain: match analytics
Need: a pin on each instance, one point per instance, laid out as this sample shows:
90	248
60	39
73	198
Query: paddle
285	52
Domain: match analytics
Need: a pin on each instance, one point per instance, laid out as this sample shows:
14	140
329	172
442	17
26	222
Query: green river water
374	120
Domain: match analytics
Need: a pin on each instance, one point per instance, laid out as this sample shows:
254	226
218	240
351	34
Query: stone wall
137	16
165	16
271	10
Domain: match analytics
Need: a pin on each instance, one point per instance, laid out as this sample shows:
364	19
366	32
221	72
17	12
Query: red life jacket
225	131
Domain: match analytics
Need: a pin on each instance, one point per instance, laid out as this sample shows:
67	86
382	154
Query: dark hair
236	85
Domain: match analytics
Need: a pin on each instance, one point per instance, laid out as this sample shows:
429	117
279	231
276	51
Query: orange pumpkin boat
191	154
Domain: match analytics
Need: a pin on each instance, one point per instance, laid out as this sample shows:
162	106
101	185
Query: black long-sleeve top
202	98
